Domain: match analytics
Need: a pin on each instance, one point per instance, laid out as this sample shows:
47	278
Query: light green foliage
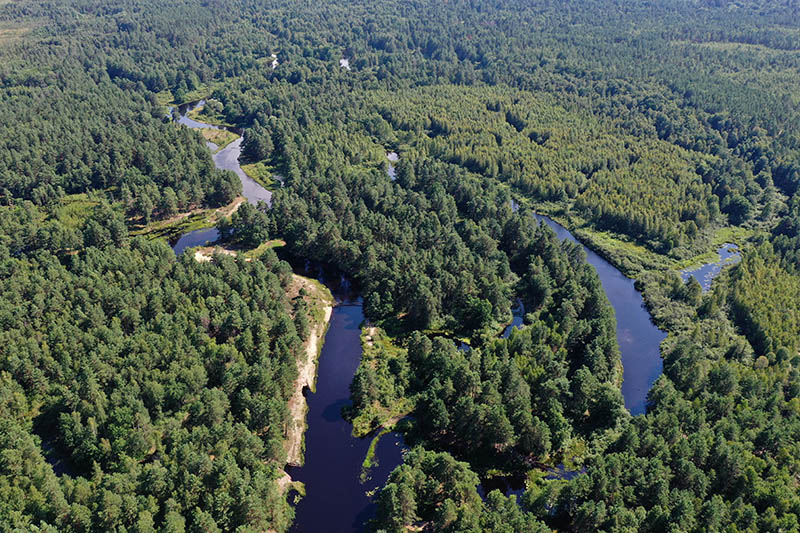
766	302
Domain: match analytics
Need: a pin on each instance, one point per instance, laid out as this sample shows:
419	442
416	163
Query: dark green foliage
152	377
435	489
247	226
532	393
696	459
257	144
659	121
766	302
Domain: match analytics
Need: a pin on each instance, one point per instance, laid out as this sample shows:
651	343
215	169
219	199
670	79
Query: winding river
228	157
639	339
225	159
336	498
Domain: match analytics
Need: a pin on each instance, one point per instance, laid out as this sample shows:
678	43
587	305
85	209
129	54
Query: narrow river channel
336	489
336	499
639	339
225	159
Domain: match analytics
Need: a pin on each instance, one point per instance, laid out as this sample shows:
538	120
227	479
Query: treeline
646	188
71	126
56	142
513	401
160	385
765	300
735	141
715	450
412	251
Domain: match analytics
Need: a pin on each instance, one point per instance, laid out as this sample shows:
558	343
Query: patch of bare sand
306	375
204	254
370	339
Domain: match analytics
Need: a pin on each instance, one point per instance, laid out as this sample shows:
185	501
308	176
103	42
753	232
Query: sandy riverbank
306	371
320	305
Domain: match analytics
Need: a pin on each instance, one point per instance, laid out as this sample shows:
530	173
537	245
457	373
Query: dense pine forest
140	391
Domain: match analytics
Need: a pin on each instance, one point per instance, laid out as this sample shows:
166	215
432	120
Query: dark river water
336	498
639	339
195	238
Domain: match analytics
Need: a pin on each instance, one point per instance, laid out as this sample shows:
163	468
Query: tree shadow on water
333	411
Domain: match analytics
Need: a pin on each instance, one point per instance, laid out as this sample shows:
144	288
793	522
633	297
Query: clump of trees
248	226
435	490
159	385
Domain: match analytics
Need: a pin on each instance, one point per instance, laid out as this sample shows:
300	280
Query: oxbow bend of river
336	499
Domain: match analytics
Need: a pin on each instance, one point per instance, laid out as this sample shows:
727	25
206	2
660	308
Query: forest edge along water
332	470
729	255
225	159
638	338
337	489
333	457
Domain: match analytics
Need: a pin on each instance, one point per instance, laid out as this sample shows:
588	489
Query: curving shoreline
322	301
306	378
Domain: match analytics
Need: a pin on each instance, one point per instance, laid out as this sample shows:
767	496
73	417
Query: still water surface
639	339
728	255
336	499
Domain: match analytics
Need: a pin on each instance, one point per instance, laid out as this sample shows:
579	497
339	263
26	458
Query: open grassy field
74	209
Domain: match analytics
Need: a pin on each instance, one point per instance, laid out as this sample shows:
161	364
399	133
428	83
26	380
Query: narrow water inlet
728	255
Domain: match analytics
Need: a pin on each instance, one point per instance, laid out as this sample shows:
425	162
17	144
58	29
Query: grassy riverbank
380	353
166	97
181	223
206	253
633	258
262	174
202	113
221	138
370	459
